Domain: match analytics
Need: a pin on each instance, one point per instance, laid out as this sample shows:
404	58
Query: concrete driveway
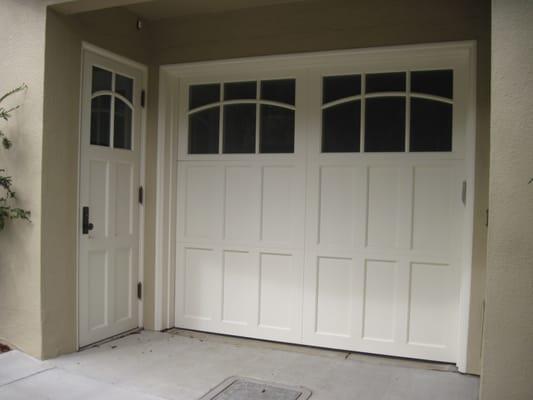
185	365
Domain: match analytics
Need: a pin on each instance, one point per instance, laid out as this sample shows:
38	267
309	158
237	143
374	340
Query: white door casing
110	176
369	251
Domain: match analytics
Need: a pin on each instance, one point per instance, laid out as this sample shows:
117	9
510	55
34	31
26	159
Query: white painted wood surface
108	268
364	252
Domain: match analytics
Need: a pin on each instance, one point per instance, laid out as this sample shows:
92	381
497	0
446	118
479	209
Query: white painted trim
142	182
87	47
113	56
305	60
470	167
170	75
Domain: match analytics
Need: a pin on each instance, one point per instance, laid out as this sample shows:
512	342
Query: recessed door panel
243	203
379	300
204	202
277	289
240	283
334	296
203	272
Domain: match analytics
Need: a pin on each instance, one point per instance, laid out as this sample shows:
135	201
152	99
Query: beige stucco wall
333	24
22	25
116	31
508	345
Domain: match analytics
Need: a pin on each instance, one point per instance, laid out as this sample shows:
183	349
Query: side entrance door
109	209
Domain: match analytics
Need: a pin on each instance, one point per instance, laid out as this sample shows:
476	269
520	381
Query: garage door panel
334	296
340	189
389	207
278	204
383	206
433	304
243	203
276	290
204	202
240	288
432	216
201	284
379	300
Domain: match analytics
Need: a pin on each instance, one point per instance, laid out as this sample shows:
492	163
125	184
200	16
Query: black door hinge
141	195
143	98
139	290
487	217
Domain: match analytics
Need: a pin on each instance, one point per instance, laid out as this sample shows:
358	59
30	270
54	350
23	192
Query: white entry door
325	204
109	202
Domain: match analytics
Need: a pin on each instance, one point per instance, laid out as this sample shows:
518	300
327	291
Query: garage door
324	205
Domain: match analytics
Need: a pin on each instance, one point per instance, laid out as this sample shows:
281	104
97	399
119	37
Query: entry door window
388	112
111	109
245	117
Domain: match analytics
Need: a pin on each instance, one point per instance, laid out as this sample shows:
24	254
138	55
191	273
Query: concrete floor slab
17	365
180	367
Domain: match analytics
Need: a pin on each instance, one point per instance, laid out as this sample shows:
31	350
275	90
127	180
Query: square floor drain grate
237	388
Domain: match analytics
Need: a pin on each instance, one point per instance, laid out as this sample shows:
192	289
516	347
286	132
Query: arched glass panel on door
111	109
123	125
403	112
252	117
101	120
341	114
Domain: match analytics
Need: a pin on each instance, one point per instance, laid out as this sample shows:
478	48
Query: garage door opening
320	199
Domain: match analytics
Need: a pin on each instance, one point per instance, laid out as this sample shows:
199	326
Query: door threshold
111	338
368	358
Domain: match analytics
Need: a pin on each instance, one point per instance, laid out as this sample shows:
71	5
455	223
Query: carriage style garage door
325	205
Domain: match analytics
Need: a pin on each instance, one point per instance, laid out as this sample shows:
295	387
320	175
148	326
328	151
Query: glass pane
341	127
101	79
280	90
240	90
124	86
340	87
385	124
276	130
203	131
201	95
389	82
239	128
123	125
100	120
438	83
431	125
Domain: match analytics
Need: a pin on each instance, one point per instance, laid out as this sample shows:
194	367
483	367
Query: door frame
88	47
167	155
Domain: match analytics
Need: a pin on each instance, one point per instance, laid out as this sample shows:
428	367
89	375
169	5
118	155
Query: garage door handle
86	225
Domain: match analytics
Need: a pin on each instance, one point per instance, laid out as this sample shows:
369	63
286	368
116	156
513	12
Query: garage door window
246	117
403	111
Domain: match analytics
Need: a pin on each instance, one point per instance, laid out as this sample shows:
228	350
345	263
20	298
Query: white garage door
324	205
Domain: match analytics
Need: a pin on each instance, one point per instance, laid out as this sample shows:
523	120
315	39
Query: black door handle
86	225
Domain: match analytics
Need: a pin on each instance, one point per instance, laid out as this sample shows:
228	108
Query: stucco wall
333	24
116	31
22	25
508	345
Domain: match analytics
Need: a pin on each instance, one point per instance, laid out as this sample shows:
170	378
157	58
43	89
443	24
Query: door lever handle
86	225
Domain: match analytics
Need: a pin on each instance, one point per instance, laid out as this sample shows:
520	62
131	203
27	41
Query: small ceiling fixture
140	24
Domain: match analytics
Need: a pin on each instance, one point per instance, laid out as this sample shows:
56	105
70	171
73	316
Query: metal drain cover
238	388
